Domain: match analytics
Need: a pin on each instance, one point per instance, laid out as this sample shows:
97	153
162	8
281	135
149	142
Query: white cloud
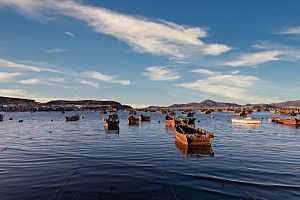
88	83
161	74
70	34
204	71
8	77
106	78
238	87
14	65
52	81
11	92
57	80
56	50
254	59
291	31
157	37
32	81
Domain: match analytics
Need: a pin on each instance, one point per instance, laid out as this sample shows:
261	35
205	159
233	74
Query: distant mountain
83	102
18	102
287	104
11	100
205	104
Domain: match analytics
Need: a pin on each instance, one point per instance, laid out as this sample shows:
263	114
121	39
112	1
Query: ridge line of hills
204	104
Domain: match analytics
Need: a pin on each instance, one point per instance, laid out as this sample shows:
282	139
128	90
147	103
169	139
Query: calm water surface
55	160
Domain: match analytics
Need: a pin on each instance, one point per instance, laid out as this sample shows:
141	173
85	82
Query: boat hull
245	121
192	139
111	125
134	122
170	123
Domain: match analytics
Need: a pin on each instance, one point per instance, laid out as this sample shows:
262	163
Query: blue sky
150	52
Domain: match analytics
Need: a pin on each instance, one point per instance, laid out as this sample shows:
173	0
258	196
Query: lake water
54	160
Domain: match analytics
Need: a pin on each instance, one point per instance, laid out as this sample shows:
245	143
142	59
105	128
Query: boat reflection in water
194	151
111	133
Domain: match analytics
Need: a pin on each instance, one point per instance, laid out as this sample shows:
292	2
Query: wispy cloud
204	71
254	59
8	77
53	82
22	66
106	78
238	87
157	37
11	92
70	34
291	31
56	50
156	73
88	83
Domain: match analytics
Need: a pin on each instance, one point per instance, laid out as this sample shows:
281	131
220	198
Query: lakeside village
180	117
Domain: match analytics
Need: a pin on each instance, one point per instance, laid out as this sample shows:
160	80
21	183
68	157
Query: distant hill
11	100
287	104
63	103
83	102
205	104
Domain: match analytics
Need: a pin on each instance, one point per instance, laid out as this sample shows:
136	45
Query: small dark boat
290	121
133	120
1	117
170	121
187	114
72	118
63	112
181	120
194	151
173	113
112	122
145	118
20	121
189	135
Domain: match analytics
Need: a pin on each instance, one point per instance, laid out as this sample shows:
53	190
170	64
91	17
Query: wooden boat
145	118
187	114
191	120
172	113
189	135
181	120
72	118
205	112
1	117
133	120
170	121
248	120
112	122
194	150
290	121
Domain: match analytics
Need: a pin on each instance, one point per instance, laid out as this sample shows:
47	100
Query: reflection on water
55	160
194	151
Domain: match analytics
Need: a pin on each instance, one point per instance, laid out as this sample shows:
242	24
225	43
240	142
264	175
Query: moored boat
1	117
189	135
248	120
187	114
288	121
145	118
72	118
170	121
133	120
112	122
